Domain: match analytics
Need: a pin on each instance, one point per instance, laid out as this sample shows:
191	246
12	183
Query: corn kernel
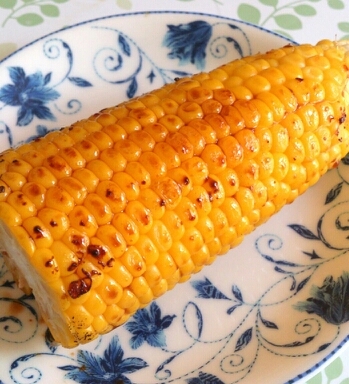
22	204
245	199
192	240
100	169
56	221
38	232
140	215
98	208
127	228
113	239
113	159
44	261
87	149
81	219
87	178
160	236
66	259
58	198
109	291
229	181
25	241
13	180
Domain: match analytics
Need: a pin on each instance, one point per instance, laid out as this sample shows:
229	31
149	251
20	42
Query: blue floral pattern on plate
282	299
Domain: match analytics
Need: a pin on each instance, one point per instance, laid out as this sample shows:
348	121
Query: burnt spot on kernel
49	263
79	287
39	232
95	250
342	118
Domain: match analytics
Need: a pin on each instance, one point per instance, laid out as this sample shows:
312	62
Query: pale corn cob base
235	196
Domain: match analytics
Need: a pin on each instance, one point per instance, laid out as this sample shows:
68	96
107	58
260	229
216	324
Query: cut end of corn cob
100	218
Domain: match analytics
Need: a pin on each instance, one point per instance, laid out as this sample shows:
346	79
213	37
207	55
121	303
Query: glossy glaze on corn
115	210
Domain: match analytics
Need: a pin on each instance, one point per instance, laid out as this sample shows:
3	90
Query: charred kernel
96	251
49	263
38	231
78	288
72	267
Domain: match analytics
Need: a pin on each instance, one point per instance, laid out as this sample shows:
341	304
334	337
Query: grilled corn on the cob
101	217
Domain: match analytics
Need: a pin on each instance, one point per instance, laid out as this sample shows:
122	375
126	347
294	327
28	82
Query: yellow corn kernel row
115	210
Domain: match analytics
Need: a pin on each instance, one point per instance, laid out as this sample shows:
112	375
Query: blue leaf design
47	78
151	76
333	193
132	88
69	52
237	46
206	290
280	270
80	82
167	321
313	255
17	75
244	340
232	309
124	45
303	231
267	323
237	293
68	367
180	73
323	347
299	343
302	283
279	262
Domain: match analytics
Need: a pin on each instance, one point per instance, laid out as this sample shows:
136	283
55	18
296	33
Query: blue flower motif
330	301
110	369
30	94
147	325
188	42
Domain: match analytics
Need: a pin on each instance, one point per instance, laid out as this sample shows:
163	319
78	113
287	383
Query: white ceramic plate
272	311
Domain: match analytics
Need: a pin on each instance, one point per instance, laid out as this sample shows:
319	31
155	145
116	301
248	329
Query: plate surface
276	308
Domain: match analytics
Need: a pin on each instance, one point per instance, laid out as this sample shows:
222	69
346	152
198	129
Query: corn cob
103	216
